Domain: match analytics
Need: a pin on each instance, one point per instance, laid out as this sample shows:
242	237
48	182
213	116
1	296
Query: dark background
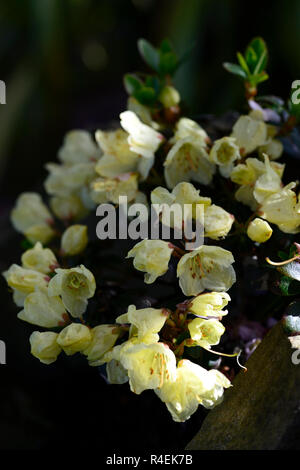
63	63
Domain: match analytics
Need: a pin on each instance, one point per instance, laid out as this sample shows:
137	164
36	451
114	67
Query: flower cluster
159	156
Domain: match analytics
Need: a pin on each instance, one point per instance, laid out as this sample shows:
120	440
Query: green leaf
291	270
235	69
168	63
146	95
256	55
132	84
149	54
26	244
243	63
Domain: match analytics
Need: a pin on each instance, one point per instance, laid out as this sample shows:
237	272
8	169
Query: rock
262	409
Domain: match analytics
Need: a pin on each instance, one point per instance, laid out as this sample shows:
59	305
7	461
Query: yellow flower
74	240
44	346
188	128
31	216
217	222
206	333
142	139
183	193
187	160
258	180
146	321
75	286
169	96
283	209
109	190
64	180
149	366
39	259
24	280
208	267
42	310
117	157
78	147
68	207
74	338
103	339
152	257
224	153
194	385
259	230
40	233
210	304
249	133
30	210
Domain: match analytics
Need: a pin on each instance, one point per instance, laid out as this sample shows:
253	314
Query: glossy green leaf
149	53
132	84
146	95
256	55
235	69
168	63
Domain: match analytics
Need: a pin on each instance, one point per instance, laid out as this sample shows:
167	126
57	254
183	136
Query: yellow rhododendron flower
74	240
24	280
40	233
39	259
194	385
147	322
152	257
149	366
117	157
169	96
249	134
142	139
78	147
258	179
217	222
210	304
206	333
75	286
68	207
103	339
109	190
44	346
186	127
208	267
283	209
32	217
74	338
64	180
188	161
259	230
224	153
42	310
28	211
183	193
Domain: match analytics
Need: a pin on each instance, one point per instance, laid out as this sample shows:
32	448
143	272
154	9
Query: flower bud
39	233
74	338
39	259
44	346
259	230
74	240
169	96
